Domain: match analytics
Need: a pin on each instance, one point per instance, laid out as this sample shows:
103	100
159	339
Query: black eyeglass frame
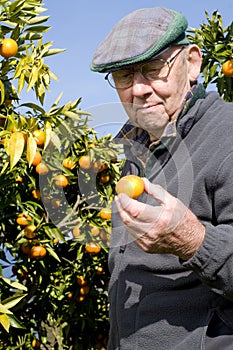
166	62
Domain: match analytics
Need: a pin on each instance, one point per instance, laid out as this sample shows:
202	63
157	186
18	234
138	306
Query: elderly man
171	256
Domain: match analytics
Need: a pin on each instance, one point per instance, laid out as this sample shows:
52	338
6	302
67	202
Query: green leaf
31	149
79	111
33	77
55	140
71	115
21	66
51	232
54	52
52	252
15	148
5	322
12	301
2	92
48	131
21	82
13	6
33	106
38	29
57	101
212	71
4	310
14	322
31	36
16	285
37	20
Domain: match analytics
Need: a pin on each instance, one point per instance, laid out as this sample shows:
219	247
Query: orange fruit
68	163
84	290
131	185
106	213
70	295
55	203
114	160
19	179
92	145
107	242
76	231
36	194
42	169
85	162
80	298
36	343
61	180
55	240
105	178
94	230
99	270
38	251
26	249
8	48
39	137
8	102
37	158
227	68
99	166
92	247
82	281
23	220
29	231
103	235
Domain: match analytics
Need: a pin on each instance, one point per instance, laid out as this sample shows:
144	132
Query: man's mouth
146	107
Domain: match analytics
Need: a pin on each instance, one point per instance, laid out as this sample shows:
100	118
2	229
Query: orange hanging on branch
8	48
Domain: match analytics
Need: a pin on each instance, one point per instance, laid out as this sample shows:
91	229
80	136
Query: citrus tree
57	181
216	44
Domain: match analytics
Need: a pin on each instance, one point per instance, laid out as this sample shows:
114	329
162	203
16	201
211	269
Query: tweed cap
138	37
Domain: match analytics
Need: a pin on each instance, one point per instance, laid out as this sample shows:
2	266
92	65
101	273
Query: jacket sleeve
213	262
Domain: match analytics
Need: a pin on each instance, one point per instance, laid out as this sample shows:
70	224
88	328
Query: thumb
157	192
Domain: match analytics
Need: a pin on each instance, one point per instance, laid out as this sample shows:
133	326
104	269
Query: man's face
150	105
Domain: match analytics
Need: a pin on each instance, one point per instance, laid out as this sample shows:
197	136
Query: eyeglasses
152	70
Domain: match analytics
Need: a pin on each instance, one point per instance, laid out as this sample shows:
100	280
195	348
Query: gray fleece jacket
158	302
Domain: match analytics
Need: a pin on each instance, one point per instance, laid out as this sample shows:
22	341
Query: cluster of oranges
99	235
32	248
41	168
98	167
132	185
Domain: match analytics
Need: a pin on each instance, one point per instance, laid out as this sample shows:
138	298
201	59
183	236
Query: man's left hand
169	228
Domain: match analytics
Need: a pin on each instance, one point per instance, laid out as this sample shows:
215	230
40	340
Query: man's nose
141	85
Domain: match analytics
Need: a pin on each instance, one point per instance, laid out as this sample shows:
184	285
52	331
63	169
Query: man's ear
194	58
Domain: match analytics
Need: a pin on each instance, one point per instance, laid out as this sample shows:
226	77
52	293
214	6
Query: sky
79	26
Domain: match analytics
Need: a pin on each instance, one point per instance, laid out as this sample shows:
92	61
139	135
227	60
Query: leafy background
57	299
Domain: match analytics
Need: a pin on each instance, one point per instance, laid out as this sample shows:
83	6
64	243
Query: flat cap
138	37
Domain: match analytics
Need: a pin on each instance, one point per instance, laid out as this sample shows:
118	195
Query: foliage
216	45
54	236
56	294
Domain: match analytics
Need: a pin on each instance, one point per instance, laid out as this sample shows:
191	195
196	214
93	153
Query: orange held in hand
131	185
